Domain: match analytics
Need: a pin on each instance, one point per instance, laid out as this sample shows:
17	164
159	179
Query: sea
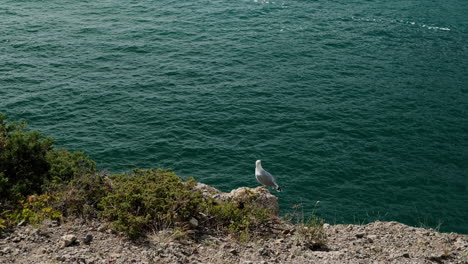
359	108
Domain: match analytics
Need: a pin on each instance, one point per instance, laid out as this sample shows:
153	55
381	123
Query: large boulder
258	197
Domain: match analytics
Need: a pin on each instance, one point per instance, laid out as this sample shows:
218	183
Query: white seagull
264	177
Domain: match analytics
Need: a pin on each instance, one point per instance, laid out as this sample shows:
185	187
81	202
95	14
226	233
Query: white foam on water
436	28
400	21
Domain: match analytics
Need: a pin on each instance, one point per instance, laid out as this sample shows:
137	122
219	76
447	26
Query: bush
239	218
132	202
23	162
28	161
35	209
158	199
149	199
64	165
81	196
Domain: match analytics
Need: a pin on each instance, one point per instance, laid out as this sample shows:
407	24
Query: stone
102	228
194	222
233	251
68	240
87	239
36	232
263	251
226	245
360	235
6	250
258	197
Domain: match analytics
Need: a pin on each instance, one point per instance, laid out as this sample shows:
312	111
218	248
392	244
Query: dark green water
362	105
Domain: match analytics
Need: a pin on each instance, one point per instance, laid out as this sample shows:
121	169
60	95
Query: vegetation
38	181
29	162
158	199
149	199
238	217
309	230
81	195
35	209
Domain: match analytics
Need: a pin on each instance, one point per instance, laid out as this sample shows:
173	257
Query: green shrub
132	202
35	209
64	165
81	196
28	161
149	199
2	224
22	159
241	219
3	183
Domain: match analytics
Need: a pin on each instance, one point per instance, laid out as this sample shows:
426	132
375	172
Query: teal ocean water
361	105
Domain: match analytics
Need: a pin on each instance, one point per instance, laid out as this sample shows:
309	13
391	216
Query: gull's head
258	163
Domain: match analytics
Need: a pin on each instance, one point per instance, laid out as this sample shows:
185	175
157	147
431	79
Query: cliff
78	241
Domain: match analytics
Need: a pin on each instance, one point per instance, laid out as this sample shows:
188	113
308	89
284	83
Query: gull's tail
278	188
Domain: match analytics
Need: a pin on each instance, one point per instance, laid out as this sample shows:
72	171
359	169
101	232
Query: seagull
264	177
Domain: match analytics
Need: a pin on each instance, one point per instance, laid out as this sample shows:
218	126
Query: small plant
241	219
81	196
29	162
65	165
311	232
149	199
35	209
3	224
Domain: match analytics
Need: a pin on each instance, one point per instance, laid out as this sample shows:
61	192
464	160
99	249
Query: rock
263	251
360	235
16	239
406	255
259	197
226	245
193	222
22	223
208	190
115	255
87	239
55	223
68	240
35	232
102	228
233	251
6	250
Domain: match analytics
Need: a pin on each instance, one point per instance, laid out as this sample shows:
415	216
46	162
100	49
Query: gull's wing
265	178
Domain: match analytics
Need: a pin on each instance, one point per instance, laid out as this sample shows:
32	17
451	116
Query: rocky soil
78	241
93	242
